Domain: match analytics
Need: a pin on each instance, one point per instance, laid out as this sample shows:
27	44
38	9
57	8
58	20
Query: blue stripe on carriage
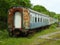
35	25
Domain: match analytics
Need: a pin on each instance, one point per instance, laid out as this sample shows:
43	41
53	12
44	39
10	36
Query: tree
23	3
3	13
58	17
39	8
52	14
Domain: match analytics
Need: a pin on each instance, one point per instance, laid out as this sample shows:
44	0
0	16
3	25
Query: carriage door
17	20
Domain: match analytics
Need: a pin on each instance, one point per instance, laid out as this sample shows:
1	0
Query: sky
51	5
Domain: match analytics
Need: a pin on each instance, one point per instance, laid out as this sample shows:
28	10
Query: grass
57	36
47	42
6	40
51	42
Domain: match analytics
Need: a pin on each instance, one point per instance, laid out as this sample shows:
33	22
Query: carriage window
35	19
32	19
45	20
38	19
41	19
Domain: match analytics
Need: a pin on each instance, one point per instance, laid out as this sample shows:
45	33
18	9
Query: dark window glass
35	19
38	19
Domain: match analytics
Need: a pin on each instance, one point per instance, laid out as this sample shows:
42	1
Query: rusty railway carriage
21	20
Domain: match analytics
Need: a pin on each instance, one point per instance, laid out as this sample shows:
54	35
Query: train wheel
25	34
16	33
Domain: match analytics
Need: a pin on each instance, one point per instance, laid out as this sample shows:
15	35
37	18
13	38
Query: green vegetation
48	42
57	36
6	40
39	8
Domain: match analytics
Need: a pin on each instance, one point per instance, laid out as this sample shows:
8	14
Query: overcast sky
51	5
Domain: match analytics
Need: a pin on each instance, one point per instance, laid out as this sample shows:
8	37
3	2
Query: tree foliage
52	14
39	8
23	3
3	13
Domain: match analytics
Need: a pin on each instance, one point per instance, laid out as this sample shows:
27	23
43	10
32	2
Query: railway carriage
21	20
37	19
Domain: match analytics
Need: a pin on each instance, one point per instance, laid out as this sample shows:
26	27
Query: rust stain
26	17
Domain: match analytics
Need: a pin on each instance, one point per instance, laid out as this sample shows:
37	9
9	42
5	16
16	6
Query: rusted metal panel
26	18
11	16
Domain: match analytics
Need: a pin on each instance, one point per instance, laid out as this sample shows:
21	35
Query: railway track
46	38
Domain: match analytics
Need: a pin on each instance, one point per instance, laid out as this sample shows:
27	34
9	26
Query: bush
3	25
3	34
53	25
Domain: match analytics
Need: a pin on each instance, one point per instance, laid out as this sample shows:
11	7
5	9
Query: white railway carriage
21	20
38	19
